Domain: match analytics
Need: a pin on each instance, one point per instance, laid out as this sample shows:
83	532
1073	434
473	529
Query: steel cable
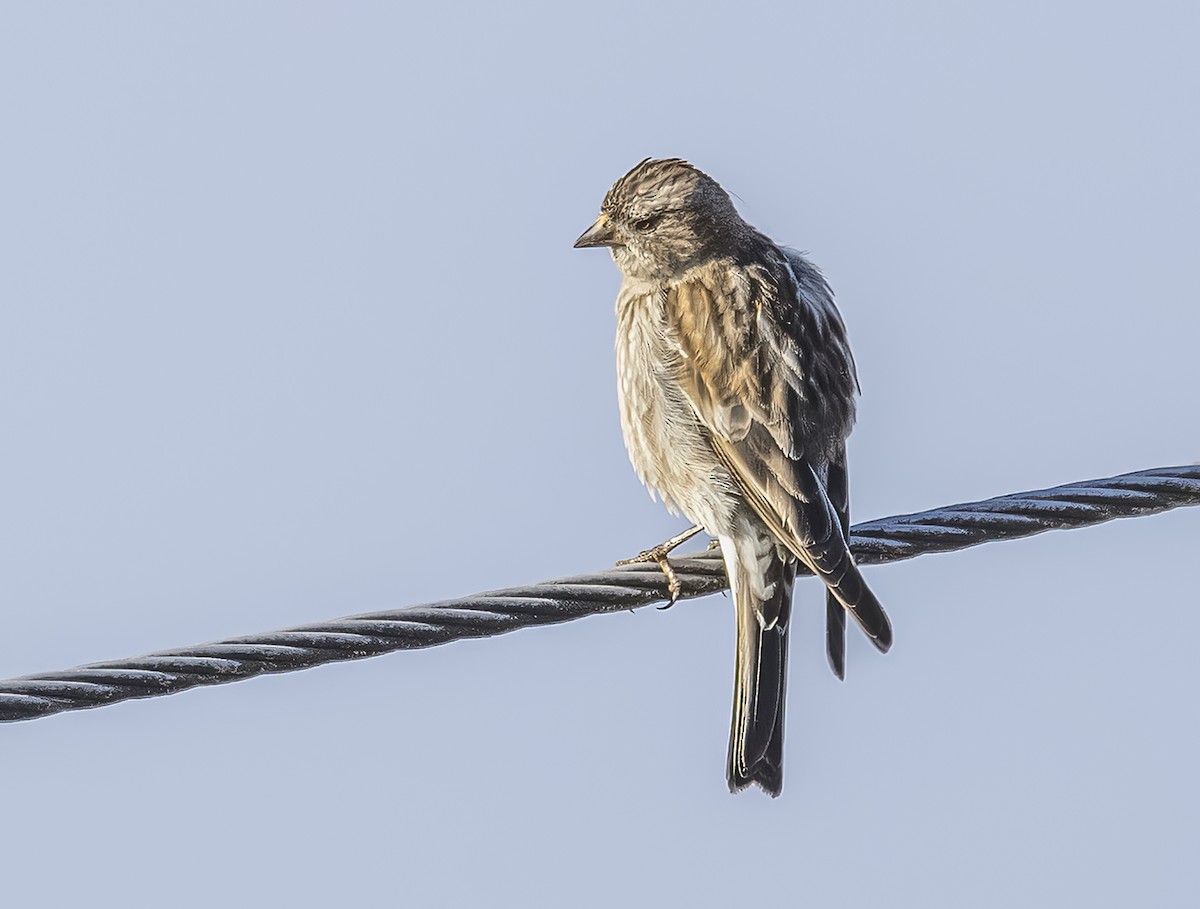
629	587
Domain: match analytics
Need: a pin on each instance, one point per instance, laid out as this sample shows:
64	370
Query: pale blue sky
292	328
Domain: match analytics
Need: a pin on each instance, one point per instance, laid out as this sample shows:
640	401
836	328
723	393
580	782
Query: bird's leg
659	554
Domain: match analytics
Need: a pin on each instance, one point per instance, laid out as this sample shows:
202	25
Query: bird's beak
601	233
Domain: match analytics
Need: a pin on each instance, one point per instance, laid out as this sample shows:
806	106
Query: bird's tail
763	600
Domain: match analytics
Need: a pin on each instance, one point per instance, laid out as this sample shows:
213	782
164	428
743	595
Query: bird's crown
657	184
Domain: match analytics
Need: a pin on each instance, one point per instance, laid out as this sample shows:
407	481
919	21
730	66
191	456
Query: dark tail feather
760	683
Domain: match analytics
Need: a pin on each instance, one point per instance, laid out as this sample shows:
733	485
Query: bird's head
661	218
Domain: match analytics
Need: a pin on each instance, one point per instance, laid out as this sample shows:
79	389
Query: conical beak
599	234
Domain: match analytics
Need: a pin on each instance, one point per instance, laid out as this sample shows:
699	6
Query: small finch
736	390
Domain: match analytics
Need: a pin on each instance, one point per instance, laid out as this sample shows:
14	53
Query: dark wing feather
769	373
837	487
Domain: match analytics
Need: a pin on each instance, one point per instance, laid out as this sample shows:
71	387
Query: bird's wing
837	487
765	376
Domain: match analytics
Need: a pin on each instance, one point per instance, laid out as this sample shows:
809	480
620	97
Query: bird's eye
646	223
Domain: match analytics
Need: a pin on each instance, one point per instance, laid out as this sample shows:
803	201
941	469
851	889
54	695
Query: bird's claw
658	555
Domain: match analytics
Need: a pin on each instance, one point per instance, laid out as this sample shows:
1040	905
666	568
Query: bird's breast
670	448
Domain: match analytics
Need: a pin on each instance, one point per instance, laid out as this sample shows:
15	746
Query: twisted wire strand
629	587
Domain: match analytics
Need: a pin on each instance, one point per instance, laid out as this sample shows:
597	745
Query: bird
736	390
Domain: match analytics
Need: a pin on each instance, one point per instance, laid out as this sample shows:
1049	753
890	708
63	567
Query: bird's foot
658	554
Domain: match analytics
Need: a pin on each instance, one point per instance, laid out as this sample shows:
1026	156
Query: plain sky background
291	328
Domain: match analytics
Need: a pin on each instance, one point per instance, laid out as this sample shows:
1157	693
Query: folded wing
765	364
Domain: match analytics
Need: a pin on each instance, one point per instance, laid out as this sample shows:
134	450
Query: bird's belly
670	449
